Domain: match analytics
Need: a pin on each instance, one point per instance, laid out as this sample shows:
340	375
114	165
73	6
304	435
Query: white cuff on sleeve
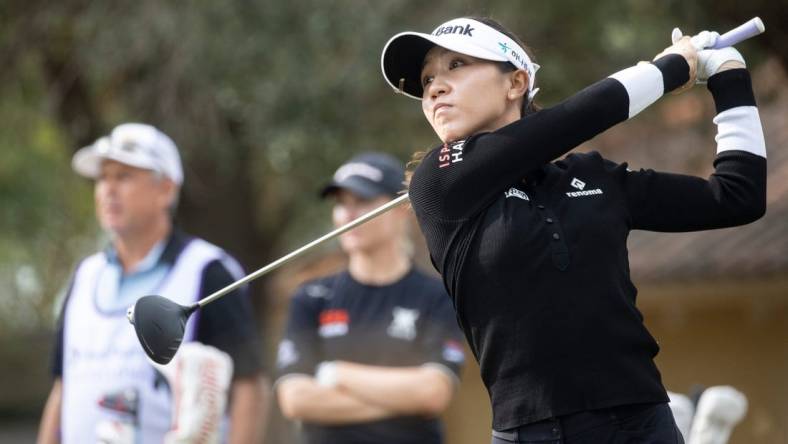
740	128
644	85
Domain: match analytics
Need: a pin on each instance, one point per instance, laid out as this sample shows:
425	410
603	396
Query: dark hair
528	107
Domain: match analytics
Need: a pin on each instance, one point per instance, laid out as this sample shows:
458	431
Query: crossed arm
365	393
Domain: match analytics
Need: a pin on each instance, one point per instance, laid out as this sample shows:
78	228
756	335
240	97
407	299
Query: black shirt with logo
534	253
407	323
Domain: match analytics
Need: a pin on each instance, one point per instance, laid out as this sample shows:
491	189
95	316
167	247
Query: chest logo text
580	185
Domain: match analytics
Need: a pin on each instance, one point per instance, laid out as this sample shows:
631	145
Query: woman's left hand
686	48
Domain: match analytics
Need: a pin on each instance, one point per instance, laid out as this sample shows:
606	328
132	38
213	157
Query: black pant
635	424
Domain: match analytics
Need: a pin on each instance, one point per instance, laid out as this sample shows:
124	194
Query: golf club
160	322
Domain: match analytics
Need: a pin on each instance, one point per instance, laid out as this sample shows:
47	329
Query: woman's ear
518	85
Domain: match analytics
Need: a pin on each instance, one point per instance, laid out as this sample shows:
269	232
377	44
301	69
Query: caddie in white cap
127	203
136	144
105	388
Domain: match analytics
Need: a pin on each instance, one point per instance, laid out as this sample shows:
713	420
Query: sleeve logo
453	352
333	323
450	153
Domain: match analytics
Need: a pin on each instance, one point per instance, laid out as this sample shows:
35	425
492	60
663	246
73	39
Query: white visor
403	55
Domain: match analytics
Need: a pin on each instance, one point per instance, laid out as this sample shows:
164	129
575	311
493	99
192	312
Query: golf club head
159	323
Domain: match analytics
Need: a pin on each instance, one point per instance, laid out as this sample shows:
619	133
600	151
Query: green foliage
45	210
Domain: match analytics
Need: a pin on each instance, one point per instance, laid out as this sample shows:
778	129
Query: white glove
709	60
703	40
720	408
199	377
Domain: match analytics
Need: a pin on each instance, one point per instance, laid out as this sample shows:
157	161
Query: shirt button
556	236
549	220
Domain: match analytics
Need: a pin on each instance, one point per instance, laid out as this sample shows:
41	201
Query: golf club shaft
290	256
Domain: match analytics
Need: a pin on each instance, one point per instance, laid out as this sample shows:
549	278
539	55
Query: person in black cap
371	354
534	252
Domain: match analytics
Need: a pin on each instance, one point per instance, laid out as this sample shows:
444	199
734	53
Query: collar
537	175
165	251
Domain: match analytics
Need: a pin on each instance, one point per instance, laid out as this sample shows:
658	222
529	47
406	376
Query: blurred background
266	99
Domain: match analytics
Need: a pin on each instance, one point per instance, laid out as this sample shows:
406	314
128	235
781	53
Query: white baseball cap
403	55
136	144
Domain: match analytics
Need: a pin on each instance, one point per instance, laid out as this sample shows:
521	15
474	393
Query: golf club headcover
683	411
199	377
719	409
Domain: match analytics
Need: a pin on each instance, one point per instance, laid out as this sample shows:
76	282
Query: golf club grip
740	33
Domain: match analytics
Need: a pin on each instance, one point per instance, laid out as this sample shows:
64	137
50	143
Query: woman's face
464	95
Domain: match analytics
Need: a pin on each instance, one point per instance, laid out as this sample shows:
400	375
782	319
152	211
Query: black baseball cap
368	175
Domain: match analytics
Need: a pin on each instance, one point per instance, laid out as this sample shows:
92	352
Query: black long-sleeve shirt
534	255
407	323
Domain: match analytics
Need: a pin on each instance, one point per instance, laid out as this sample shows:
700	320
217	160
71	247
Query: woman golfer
533	251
